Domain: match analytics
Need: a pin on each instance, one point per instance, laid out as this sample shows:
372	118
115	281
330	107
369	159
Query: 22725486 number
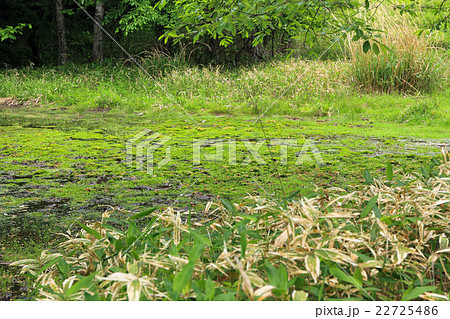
407	310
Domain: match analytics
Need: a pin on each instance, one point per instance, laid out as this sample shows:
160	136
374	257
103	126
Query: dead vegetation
8	102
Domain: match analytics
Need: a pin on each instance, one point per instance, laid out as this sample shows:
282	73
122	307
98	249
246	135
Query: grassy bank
293	87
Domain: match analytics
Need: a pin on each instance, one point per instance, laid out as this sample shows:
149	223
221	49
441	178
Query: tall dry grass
411	64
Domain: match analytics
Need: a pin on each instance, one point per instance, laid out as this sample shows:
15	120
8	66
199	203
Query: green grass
401	60
294	88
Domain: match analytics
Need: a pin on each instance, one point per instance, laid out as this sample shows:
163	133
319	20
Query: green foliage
257	20
11	33
436	15
143	15
369	206
416	292
420	112
132	15
251	29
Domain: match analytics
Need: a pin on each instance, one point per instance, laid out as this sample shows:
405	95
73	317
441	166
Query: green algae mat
58	166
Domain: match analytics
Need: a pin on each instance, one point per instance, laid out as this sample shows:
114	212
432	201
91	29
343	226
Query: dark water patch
28	226
85	139
82	157
161	200
16	182
200	197
143	188
417	143
20	193
43	126
12	176
61	179
98	204
17	289
56	205
33	163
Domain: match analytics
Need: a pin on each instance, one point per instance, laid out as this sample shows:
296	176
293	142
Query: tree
228	20
97	52
62	41
257	20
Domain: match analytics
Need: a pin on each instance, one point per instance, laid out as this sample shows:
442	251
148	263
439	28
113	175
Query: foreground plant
386	240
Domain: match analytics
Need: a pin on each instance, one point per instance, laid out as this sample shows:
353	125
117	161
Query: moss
84	159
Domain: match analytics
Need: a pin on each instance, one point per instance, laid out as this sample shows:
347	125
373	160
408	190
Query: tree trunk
32	42
97	52
62	41
119	39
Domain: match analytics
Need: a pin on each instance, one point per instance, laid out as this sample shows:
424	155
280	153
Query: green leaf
230	207
173	295
357	276
366	4
49	264
272	274
384	47
376	211
63	267
368	177
113	220
201	238
293	195
337	272
249	217
119	244
366	46
283	277
226	297
210	289
389	171
135	254
242	231
243	241
231	27
374	232
196	251
161	4
359	33
299	295
376	48
133	231
144	213
220	27
355	37
416	292
90	231
183	277
369	206
84	282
